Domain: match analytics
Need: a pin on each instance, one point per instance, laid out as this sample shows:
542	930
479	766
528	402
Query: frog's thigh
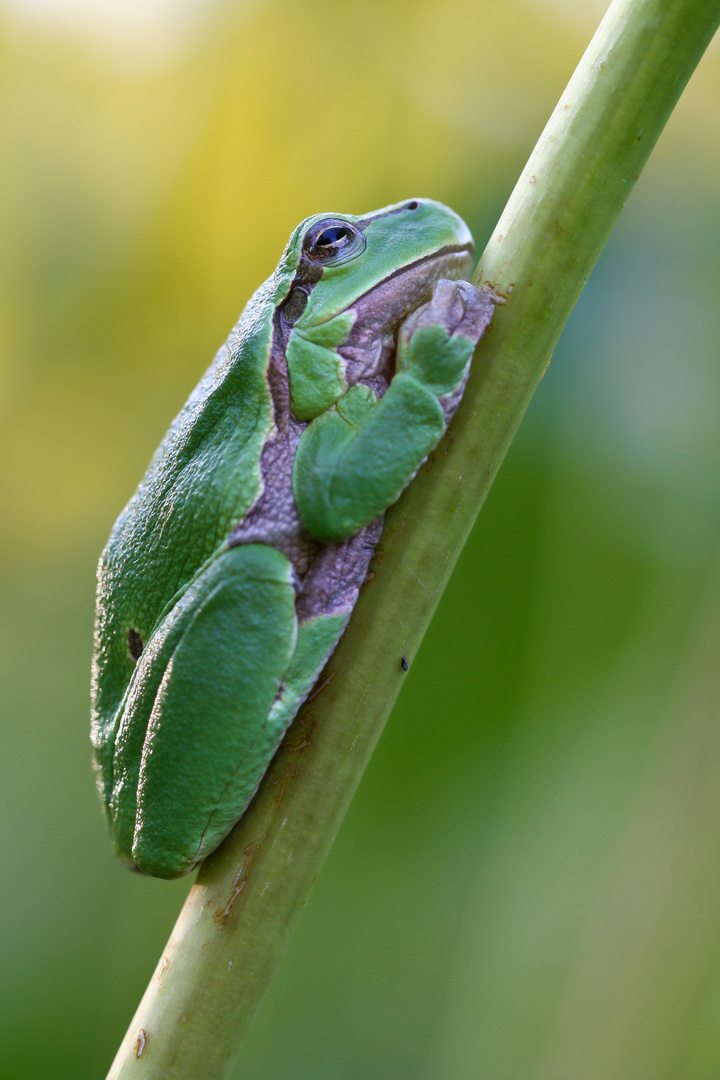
207	724
317	637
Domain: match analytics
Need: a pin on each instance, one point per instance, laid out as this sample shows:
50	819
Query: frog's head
354	281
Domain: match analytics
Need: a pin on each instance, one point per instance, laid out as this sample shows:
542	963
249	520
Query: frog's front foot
459	307
436	342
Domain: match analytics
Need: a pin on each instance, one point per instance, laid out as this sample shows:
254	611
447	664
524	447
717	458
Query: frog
231	574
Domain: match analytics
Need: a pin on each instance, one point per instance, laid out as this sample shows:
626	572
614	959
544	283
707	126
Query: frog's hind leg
329	592
317	637
212	671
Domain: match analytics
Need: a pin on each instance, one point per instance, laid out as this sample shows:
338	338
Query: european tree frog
232	572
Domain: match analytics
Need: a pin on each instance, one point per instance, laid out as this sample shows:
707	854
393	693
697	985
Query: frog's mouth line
450	249
387	305
408	272
418	281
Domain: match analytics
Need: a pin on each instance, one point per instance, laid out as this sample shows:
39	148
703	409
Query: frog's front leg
354	460
197	727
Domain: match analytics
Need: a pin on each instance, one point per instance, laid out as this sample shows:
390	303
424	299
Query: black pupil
332	236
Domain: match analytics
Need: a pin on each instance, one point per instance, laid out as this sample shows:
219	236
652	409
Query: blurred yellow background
527	886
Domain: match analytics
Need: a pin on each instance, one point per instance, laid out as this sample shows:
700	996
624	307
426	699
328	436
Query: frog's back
201	482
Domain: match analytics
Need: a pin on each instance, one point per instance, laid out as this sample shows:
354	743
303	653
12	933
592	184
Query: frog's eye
333	241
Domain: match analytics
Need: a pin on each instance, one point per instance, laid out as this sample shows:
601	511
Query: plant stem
240	914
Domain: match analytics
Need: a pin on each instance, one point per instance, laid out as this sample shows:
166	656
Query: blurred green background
527	885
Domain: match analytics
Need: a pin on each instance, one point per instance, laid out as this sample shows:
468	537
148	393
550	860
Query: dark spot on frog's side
135	644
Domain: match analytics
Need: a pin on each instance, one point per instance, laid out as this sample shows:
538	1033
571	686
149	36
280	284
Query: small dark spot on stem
141	1043
320	686
240	880
404	663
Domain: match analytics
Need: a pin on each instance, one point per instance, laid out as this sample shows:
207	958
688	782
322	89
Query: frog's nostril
412	205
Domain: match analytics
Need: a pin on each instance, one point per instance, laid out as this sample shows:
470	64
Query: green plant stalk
239	916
